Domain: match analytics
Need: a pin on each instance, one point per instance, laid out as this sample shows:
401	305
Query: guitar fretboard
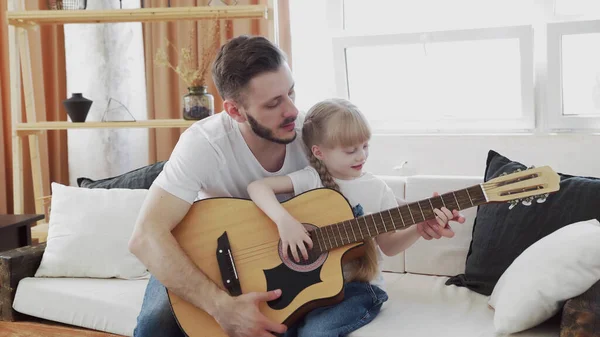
368	226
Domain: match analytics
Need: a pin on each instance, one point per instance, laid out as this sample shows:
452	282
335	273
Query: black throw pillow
501	234
141	178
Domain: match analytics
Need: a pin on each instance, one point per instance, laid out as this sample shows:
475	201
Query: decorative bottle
198	103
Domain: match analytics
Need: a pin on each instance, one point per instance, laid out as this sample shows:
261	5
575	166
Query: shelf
25	128
39	17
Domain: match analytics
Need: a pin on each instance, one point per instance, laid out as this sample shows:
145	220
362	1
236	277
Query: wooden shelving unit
21	21
27	128
59	17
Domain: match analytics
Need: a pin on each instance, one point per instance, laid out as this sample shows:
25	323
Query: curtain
164	88
5	135
49	75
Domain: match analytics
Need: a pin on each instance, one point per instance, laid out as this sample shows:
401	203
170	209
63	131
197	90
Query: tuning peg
503	174
541	198
527	201
531	167
513	203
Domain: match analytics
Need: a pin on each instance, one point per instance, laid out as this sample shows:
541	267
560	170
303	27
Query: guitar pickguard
290	282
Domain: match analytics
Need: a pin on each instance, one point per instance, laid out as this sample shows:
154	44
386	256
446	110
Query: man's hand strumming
240	317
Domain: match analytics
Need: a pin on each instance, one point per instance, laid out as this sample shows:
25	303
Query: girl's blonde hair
332	123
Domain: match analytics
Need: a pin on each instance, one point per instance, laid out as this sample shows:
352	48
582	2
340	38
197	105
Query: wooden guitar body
254	243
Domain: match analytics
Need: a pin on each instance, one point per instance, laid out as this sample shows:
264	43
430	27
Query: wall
575	154
107	61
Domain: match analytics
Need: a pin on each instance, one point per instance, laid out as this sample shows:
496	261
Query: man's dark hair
241	59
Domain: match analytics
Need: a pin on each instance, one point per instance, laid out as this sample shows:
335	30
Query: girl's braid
326	178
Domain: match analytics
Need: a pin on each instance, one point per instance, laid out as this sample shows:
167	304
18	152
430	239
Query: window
422	66
574	75
479	79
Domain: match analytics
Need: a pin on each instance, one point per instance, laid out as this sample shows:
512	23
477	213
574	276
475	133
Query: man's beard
265	133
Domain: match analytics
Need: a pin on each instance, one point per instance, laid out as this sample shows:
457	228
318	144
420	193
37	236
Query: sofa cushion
141	178
445	256
500	233
89	231
567	263
423	306
110	305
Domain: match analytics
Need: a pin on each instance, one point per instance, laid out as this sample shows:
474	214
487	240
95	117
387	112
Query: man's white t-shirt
368	191
212	159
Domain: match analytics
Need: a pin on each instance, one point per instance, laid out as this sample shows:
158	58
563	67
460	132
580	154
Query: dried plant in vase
193	70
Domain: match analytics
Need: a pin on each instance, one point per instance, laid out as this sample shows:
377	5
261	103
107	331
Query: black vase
77	107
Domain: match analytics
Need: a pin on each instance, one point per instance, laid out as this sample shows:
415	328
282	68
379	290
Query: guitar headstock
522	186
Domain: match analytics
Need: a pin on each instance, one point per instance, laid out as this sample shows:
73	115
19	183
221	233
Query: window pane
424	15
577	7
581	74
467	79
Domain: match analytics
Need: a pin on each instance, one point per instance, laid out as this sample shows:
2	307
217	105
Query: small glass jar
198	103
67	4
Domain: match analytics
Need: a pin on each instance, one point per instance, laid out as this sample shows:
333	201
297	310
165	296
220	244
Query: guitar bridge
229	274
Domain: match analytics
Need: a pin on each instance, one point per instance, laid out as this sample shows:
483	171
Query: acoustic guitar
238	247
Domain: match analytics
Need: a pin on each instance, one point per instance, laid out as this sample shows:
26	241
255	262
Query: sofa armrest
15	265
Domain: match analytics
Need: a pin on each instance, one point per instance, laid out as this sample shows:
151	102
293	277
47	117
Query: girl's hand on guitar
240	317
439	227
295	236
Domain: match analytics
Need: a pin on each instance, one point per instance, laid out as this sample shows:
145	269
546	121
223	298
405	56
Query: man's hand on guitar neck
240	317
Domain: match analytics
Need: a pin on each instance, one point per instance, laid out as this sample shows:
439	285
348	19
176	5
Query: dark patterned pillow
141	178
501	234
581	314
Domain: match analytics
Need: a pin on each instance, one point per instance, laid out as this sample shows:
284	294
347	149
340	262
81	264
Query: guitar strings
265	250
239	255
379	228
262	244
252	250
254	253
494	184
386	217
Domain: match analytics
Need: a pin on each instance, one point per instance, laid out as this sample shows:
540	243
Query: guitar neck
368	226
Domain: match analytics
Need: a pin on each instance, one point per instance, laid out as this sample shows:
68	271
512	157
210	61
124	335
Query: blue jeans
362	302
156	317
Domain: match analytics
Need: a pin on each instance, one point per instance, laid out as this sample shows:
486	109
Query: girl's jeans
362	302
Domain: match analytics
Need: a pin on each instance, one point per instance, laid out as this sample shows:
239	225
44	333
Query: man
254	137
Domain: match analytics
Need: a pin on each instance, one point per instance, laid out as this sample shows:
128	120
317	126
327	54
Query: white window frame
525	35
556	121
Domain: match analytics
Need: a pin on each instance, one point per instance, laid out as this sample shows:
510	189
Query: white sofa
419	304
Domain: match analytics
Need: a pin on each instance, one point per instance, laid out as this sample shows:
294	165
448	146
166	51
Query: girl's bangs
347	130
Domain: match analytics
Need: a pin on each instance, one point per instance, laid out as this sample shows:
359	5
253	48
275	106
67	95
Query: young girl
336	136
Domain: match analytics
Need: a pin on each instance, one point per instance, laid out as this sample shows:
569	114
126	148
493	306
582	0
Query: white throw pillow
88	233
559	266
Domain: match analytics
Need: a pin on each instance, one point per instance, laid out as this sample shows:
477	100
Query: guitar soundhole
315	258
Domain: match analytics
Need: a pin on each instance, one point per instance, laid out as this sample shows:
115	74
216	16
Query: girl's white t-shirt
368	191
